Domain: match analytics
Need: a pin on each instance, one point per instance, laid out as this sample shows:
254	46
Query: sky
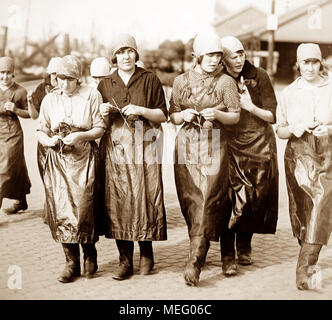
149	21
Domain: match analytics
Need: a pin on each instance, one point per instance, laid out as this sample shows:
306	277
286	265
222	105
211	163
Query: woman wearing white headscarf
69	123
204	100
304	117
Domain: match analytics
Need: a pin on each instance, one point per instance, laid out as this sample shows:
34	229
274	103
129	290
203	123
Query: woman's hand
209	114
72	139
52	141
245	99
104	109
10	106
133	110
320	131
189	114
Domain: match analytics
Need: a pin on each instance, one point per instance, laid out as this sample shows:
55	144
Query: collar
136	75
299	83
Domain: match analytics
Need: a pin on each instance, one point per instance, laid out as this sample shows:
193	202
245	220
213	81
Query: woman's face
211	61
126	58
67	84
309	69
53	80
6	78
235	61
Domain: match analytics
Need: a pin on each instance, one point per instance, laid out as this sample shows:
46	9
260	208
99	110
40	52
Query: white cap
206	43
231	45
53	65
308	51
100	67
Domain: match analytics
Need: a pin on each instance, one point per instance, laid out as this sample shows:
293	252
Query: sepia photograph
165	156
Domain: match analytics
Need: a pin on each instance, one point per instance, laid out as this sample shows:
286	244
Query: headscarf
7	64
123	40
206	43
231	45
308	51
70	66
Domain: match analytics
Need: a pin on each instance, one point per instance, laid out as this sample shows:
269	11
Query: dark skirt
254	179
201	177
308	166
14	179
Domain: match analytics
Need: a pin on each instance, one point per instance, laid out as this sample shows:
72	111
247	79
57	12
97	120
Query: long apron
69	175
131	155
14	178
254	178
308	166
201	177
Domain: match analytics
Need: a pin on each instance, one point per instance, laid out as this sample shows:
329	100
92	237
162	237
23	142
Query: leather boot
199	247
90	259
126	251
227	251
243	247
146	257
20	204
308	257
72	268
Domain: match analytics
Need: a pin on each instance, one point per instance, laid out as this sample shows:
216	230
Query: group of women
225	157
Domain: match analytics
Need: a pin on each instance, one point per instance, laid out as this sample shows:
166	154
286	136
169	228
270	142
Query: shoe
191	275
90	260
16	206
244	259
68	275
146	257
229	267
124	272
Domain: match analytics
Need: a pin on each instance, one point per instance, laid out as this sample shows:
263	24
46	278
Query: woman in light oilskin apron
131	151
304	117
69	123
14	180
204	100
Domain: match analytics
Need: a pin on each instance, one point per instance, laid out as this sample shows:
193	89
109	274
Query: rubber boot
243	247
199	247
126	251
308	257
72	268
227	251
90	259
146	257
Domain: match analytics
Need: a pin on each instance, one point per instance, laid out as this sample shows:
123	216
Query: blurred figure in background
204	100
134	105
304	117
69	123
50	82
14	180
252	152
99	69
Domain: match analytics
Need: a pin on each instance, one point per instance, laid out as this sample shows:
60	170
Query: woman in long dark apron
69	123
14	180
203	99
131	154
253	159
304	117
